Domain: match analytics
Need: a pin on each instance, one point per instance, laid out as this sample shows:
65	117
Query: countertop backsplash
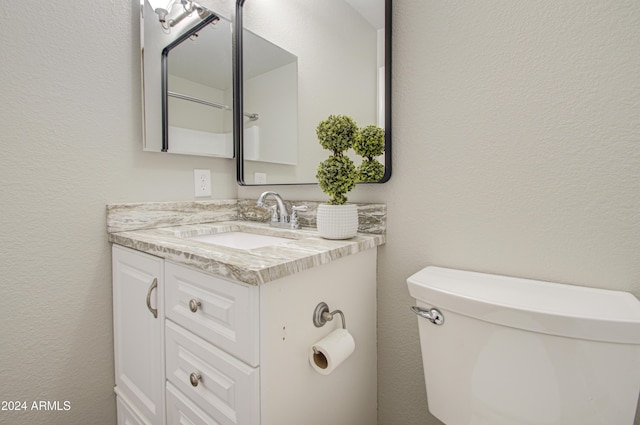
372	218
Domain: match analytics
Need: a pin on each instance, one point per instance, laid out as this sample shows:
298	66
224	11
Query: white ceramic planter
337	221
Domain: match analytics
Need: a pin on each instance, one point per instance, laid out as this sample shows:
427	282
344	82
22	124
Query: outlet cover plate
202	182
259	178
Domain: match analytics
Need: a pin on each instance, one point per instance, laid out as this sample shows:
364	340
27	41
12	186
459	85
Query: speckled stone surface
149	215
163	229
372	218
257	266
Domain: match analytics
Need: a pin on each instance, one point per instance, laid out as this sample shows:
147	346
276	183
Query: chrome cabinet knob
194	305
195	378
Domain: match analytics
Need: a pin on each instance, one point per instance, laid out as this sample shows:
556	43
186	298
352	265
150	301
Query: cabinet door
138	332
126	414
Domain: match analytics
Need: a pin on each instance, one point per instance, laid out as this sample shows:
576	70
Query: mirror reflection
197	90
187	73
342	62
270	102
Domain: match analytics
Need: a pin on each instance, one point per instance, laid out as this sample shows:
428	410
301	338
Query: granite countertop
305	250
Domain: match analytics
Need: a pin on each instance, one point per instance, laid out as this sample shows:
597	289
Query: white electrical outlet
259	178
202	182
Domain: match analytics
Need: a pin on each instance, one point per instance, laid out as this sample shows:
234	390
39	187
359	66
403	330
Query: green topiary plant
369	143
337	175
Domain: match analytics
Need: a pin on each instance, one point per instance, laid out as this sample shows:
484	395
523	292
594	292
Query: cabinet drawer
226	389
222	312
182	411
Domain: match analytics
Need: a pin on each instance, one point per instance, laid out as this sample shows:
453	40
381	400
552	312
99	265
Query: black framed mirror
341	53
189	44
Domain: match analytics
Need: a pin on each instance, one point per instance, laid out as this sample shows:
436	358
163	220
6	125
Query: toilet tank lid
550	308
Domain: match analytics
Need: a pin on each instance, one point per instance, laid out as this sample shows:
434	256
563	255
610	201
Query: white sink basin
240	240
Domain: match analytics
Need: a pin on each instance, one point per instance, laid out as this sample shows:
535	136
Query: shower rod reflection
251	116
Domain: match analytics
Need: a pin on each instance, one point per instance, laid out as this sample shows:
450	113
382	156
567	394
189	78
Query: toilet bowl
498	350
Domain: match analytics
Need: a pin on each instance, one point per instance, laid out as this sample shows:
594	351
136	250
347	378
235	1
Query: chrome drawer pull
153	286
195	378
433	314
194	304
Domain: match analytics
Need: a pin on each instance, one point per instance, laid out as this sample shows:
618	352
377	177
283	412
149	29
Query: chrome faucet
279	215
279	212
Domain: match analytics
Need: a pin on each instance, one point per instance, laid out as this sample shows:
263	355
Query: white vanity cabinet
236	353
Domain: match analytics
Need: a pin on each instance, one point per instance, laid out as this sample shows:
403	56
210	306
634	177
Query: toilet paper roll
328	353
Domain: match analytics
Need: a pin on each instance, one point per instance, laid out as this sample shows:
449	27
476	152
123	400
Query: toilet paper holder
322	314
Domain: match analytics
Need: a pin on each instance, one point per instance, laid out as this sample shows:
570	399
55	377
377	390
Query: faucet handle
295	224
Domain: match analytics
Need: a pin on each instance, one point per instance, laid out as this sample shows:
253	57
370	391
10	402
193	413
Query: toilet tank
522	352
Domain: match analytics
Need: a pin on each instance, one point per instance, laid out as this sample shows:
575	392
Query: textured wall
71	143
516	151
516	131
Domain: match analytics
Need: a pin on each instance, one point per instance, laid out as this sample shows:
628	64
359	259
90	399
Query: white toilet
505	351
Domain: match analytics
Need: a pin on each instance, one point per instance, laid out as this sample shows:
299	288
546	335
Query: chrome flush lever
433	315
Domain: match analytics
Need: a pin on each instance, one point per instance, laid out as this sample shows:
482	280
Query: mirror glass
270	102
197	73
187	79
339	51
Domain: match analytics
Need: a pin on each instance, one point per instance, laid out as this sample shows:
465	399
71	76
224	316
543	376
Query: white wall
516	150
71	143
